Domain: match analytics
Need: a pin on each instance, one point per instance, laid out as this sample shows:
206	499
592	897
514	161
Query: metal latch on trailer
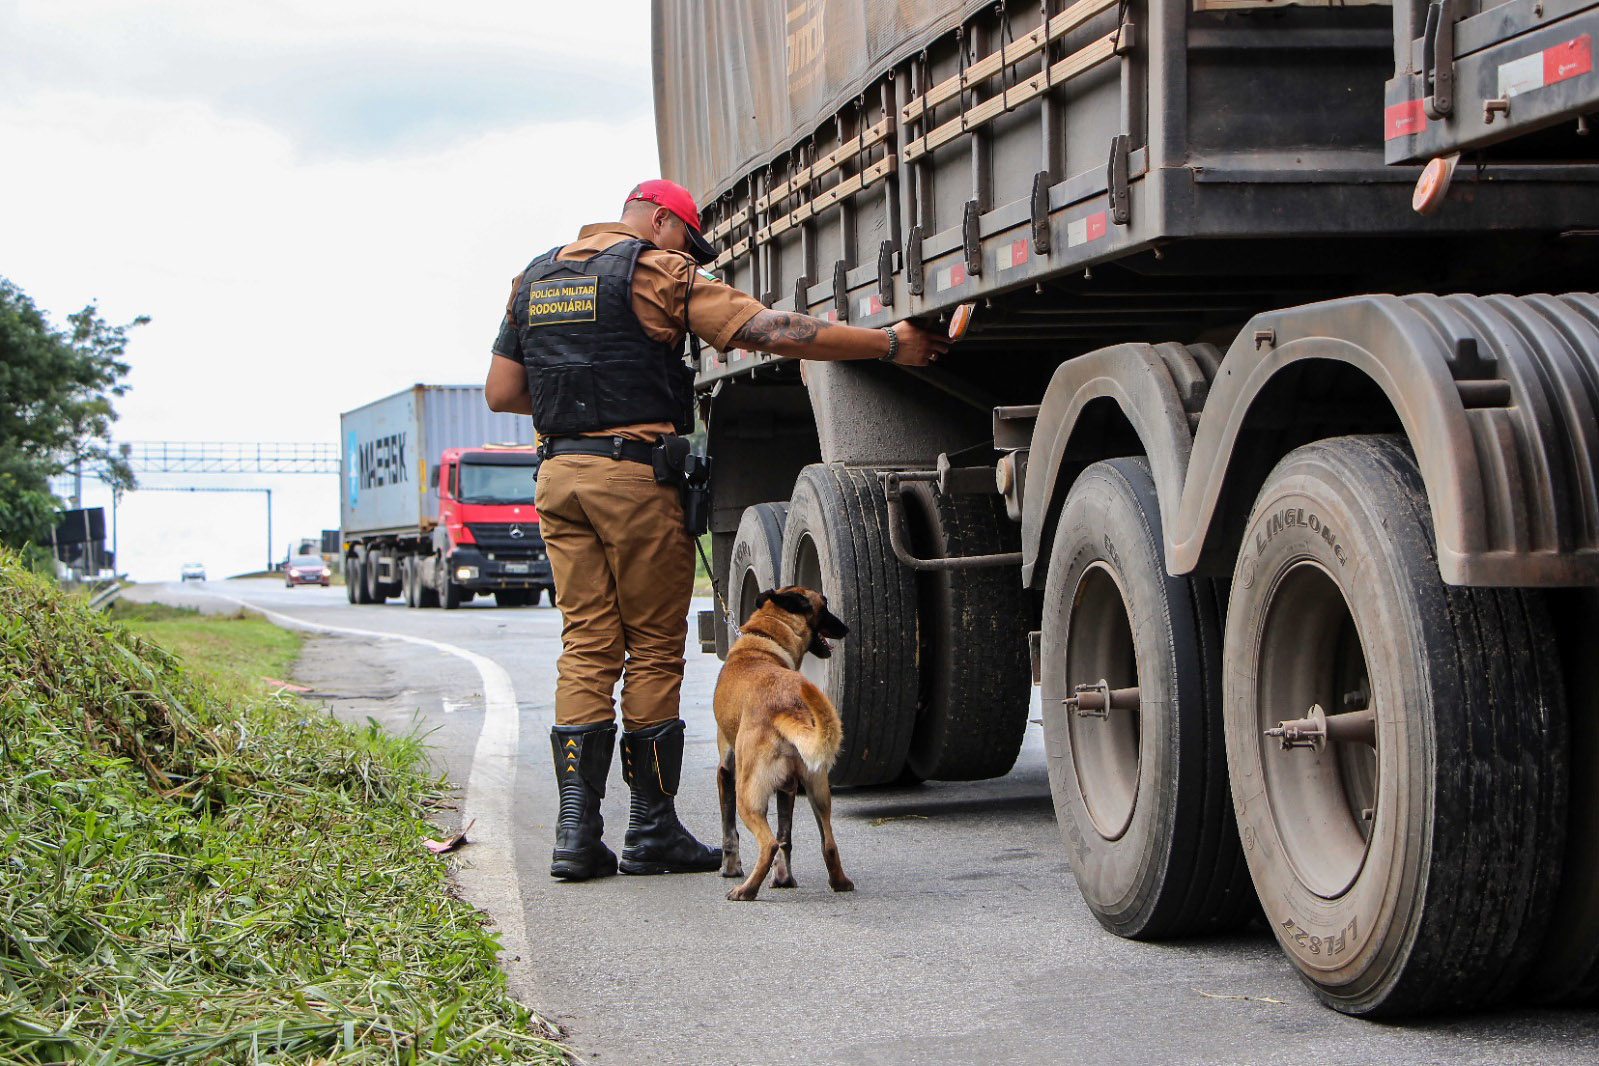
1121	209
1438	59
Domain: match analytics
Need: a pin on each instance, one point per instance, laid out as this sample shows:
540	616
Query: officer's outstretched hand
917	346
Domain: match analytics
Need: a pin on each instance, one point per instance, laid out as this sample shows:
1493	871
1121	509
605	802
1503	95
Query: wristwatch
893	345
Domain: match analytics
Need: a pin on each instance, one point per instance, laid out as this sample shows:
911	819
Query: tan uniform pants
624	575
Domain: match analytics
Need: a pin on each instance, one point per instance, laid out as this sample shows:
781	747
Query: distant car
193	572
306	570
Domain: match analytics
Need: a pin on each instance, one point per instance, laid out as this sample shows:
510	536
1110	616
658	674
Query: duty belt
637	451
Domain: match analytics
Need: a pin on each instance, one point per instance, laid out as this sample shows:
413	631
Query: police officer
591	347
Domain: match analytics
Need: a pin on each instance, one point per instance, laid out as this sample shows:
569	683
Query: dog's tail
816	741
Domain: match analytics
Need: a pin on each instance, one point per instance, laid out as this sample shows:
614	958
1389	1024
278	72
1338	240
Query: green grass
239	648
195	871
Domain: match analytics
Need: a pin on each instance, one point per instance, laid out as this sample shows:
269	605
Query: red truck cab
488	526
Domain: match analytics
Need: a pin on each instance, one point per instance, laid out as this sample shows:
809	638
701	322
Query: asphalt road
964	942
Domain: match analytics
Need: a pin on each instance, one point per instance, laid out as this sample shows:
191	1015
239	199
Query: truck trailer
1270	452
437	504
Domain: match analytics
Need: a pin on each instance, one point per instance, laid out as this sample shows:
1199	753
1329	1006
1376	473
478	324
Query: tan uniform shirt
714	310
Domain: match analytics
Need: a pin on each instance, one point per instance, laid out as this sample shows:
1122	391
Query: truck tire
755	563
408	581
362	577
975	679
1140	790
835	540
376	589
1409	866
1566	970
427	594
450	594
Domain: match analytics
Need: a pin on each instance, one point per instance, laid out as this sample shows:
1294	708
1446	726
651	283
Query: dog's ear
760	601
792	602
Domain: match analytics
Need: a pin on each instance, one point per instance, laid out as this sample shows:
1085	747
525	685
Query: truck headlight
465	573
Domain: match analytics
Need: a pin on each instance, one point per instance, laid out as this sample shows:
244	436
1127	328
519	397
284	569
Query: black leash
732	625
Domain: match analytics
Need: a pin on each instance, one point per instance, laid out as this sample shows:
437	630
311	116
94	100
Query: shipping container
392	446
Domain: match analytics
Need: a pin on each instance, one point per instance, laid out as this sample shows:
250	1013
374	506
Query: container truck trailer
1270	454
438	503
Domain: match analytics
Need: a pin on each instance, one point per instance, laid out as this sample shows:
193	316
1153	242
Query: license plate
516	568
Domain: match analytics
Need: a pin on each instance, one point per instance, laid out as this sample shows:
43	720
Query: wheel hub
1096	701
1315	730
1320	769
1102	717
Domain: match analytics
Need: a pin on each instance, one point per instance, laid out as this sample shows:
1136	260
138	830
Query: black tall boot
656	842
582	762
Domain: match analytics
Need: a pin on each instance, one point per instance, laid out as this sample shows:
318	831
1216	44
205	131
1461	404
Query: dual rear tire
1395	748
413	584
359	572
932	681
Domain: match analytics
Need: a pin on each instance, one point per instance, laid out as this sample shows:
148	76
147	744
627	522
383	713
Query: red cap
676	199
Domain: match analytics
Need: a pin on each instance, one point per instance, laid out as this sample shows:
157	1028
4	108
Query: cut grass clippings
195	870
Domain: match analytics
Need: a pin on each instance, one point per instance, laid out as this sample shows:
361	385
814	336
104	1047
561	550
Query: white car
193	572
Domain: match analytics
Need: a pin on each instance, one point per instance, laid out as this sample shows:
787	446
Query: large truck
1270	453
437	504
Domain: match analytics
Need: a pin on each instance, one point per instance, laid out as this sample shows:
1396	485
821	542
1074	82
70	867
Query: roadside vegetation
56	391
196	870
236	651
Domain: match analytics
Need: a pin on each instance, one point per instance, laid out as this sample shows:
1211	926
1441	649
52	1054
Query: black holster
675	463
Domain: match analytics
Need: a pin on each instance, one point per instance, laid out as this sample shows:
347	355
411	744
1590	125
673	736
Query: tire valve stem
1095	700
1317	728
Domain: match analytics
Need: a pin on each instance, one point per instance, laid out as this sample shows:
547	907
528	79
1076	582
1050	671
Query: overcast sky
318	204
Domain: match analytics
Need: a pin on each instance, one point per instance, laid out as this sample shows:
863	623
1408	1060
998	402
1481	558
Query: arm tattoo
777	327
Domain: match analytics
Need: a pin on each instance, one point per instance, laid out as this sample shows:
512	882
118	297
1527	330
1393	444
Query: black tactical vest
590	364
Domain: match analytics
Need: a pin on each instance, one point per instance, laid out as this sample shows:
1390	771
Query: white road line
488	786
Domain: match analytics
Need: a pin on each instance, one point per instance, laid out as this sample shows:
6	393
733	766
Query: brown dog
776	730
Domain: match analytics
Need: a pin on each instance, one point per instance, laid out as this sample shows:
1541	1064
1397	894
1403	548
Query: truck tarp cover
739	81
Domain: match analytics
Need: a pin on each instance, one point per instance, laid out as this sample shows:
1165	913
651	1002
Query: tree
56	391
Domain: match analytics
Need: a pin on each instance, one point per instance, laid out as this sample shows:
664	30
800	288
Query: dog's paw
739	895
782	875
843	884
736	871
